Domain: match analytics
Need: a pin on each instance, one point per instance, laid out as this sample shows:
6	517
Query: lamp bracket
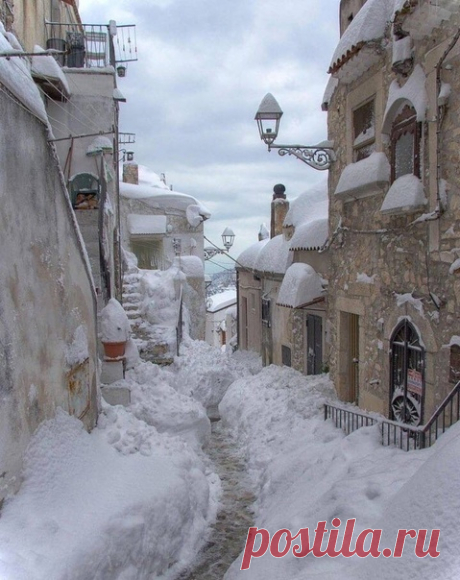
317	157
210	252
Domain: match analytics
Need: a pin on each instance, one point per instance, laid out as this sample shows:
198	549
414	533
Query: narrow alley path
234	518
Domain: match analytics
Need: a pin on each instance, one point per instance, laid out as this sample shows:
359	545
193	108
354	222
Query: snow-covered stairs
151	342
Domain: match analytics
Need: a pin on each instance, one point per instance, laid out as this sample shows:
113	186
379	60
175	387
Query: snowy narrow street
235	514
151	493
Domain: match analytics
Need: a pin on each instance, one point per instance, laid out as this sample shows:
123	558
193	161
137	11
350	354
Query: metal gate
407	365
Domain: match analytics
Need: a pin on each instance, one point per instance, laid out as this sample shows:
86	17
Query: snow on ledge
363	178
15	76
413	91
407	298
301	285
139	224
46	67
404	196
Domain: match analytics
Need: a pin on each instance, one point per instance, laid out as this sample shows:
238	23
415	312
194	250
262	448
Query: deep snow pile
156	402
132	500
205	373
122	502
305	470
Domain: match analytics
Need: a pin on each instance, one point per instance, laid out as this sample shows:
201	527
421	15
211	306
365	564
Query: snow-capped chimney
264	234
131	172
280	206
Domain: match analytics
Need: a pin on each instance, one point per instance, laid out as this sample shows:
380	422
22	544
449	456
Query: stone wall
376	259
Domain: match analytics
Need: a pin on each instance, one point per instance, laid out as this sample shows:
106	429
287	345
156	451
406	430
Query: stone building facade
394	225
282	285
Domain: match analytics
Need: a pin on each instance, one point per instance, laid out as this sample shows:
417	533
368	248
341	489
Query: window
266	312
454	367
405	144
364	130
285	356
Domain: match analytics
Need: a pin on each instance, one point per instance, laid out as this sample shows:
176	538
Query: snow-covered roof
310	236
100	143
405	195
413	91
301	285
309	206
365	177
161	197
46	67
368	27
15	76
274	257
248	257
221	300
146	224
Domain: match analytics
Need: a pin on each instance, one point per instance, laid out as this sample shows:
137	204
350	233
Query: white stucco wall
46	293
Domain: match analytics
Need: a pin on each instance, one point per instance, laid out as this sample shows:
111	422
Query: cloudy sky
203	68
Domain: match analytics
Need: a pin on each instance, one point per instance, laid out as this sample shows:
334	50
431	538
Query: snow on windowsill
413	91
404	196
364	178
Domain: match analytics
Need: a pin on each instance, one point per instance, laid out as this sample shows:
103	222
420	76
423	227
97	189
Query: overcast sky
203	68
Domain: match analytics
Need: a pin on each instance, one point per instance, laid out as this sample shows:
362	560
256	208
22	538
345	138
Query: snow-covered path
235	515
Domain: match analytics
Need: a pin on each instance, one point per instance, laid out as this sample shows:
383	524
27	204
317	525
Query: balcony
93	45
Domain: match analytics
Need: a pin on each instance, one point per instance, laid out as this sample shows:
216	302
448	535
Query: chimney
280	206
131	173
264	234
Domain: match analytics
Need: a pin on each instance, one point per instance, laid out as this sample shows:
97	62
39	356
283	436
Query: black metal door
407	388
314	344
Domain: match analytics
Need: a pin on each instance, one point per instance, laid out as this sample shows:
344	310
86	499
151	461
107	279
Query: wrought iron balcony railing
92	45
400	435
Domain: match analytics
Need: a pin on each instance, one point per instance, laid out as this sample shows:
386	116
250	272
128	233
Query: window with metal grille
364	130
405	144
266	312
454	367
285	356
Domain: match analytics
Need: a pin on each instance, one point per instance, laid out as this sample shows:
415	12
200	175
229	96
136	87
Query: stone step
131	297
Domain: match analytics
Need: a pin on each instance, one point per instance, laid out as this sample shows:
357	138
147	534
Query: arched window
405	144
407	362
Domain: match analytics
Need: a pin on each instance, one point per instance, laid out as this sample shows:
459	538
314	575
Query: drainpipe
439	121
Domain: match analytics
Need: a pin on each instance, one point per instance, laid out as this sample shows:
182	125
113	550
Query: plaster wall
29	18
90	109
249	312
46	293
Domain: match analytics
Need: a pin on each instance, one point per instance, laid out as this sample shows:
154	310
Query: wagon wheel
406	410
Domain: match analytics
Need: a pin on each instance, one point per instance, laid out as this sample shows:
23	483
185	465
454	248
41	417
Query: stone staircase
153	342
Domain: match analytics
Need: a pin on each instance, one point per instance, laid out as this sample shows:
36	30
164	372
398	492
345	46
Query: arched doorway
407	363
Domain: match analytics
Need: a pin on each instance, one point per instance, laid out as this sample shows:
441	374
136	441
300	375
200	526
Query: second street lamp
268	118
228	238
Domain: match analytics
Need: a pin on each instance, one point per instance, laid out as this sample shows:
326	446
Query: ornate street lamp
228	237
268	118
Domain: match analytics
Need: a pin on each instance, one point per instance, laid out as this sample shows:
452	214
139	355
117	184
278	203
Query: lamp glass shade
228	238
268	118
